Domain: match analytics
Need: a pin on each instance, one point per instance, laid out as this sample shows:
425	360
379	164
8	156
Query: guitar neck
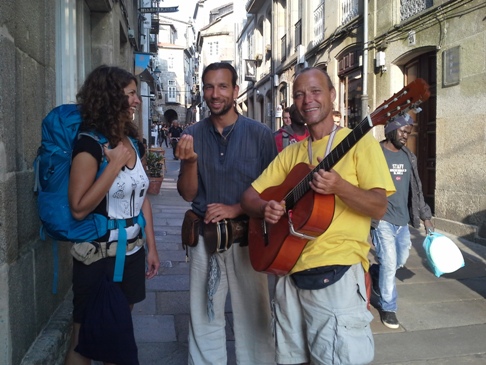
329	161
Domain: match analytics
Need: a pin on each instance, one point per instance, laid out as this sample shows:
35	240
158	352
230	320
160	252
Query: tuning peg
416	110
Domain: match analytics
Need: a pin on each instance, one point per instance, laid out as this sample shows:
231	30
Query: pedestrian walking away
391	235
323	294
164	134
108	100
175	132
220	157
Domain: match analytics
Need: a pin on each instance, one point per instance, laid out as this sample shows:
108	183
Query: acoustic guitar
275	248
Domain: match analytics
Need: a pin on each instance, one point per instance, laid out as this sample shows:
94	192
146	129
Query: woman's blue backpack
60	130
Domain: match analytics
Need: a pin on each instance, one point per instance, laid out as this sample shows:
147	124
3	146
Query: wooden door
422	142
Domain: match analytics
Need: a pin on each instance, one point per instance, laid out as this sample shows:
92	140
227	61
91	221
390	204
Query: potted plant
155	168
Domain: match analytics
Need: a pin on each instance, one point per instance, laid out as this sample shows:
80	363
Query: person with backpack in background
294	132
107	102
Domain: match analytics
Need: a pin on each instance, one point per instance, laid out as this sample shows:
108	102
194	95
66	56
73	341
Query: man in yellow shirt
321	307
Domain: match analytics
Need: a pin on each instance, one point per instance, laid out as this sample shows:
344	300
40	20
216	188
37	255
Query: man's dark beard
223	111
393	138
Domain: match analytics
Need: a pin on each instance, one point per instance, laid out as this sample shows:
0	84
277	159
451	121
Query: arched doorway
170	115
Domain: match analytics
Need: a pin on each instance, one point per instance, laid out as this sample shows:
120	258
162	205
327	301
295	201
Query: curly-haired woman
107	101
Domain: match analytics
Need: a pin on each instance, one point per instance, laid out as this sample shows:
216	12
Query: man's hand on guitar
185	149
326	182
273	211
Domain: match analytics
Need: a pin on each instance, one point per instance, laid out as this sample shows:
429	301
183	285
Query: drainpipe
364	97
273	28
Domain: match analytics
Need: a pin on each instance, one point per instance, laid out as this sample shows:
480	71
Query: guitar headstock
410	97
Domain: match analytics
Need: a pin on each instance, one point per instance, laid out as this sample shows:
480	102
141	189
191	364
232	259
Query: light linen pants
250	305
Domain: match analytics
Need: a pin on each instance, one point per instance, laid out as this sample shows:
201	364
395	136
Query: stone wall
460	191
27	93
461	129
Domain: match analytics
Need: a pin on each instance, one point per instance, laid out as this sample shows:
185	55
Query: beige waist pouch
89	252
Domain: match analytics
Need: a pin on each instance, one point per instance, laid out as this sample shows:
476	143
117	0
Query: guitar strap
328	147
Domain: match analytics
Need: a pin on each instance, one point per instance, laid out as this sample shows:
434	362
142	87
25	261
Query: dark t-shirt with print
400	171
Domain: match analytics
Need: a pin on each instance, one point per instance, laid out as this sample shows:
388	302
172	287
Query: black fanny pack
319	277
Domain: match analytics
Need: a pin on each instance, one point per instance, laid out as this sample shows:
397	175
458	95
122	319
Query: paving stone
167	353
168	283
419	317
431	346
173	302
154	328
147	306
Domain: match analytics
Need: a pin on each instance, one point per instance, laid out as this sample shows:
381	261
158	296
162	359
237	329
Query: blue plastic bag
443	255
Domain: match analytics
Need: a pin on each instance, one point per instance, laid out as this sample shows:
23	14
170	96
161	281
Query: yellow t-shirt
345	242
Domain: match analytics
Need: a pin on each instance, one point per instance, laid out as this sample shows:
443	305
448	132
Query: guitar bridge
293	232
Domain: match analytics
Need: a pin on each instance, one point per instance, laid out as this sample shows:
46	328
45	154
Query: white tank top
125	198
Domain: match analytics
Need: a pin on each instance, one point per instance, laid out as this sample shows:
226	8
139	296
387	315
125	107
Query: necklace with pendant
225	137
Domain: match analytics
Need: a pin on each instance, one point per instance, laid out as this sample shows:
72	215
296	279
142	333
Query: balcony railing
318	24
350	10
409	8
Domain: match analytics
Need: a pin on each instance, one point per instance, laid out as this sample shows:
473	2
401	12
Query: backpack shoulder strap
285	139
101	139
97	136
135	144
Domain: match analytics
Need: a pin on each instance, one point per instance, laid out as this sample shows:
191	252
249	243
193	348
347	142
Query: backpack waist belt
128	222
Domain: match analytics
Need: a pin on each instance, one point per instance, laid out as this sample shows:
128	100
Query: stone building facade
371	50
48	47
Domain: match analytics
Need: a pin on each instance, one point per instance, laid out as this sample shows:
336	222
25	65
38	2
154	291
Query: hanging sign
250	70
170	9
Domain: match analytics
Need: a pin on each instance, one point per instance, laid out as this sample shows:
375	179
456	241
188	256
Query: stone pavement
443	320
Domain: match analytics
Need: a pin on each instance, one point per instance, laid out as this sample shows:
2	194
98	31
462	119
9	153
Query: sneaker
390	320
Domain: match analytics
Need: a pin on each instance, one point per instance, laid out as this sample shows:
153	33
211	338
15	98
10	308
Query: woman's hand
120	155
153	264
